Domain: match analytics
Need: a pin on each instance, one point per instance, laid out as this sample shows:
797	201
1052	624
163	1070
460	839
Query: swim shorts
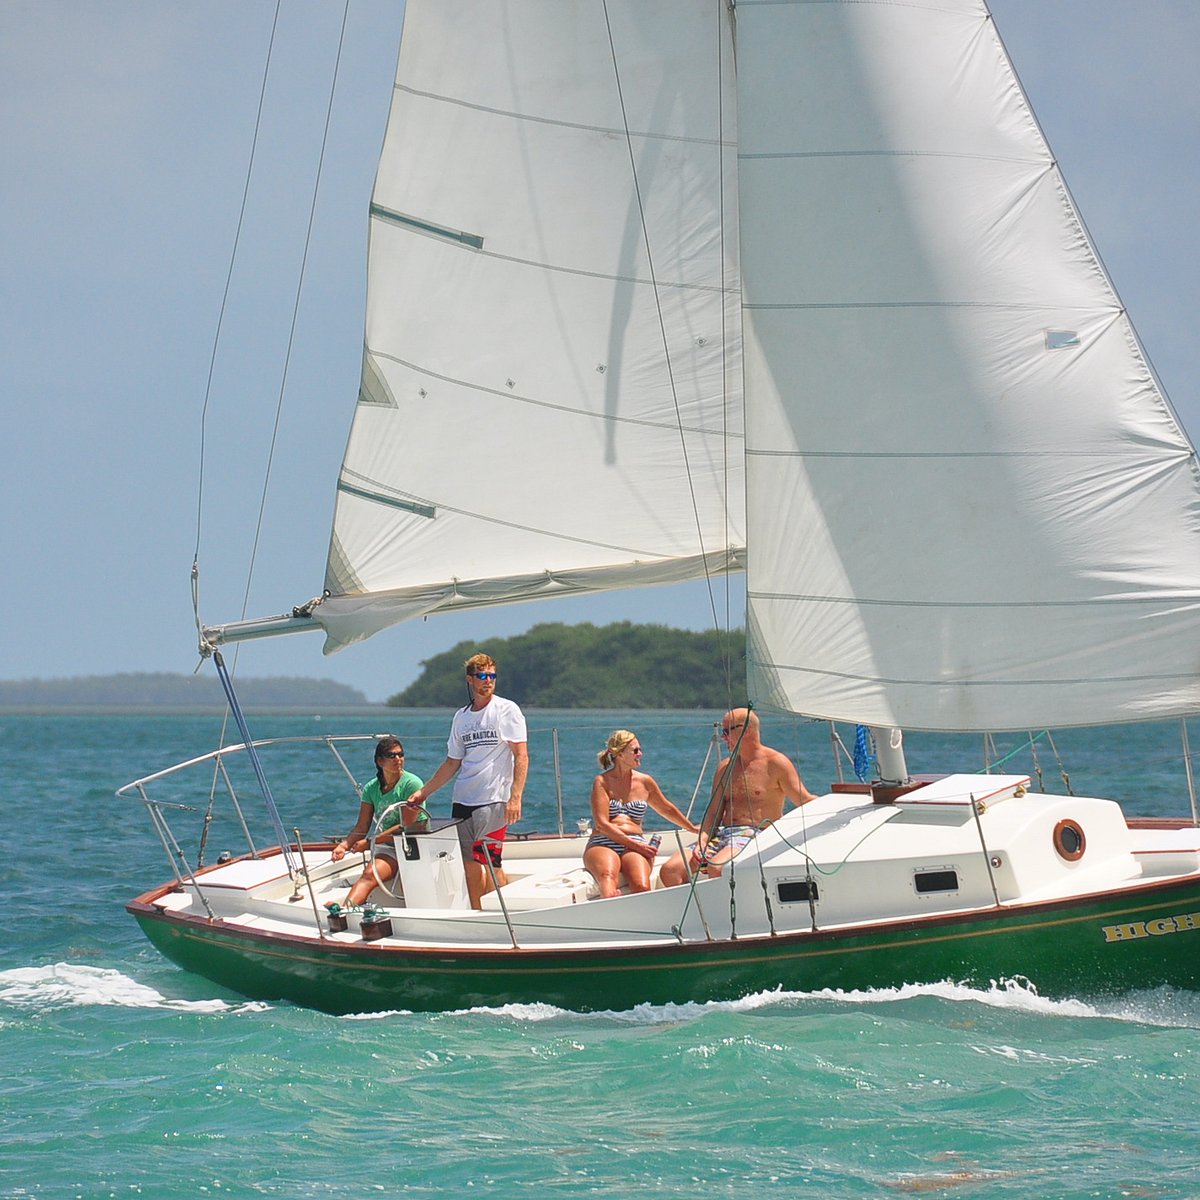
484	823
735	836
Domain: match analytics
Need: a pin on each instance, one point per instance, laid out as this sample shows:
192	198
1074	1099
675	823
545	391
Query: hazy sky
125	130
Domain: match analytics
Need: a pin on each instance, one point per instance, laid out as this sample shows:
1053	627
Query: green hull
1099	945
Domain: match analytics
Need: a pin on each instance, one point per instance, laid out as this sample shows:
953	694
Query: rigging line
1187	766
1029	744
212	361
709	823
725	643
811	862
295	313
1037	762
637	191
287	358
212	365
1062	770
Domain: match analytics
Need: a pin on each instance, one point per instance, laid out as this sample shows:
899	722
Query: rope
727	656
295	315
712	741
252	755
864	752
637	191
1037	764
1030	744
709	824
195	572
1061	769
212	361
812	862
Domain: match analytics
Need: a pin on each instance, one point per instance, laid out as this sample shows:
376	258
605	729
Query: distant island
624	666
163	690
588	666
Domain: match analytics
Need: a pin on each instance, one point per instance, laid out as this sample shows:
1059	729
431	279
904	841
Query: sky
125	133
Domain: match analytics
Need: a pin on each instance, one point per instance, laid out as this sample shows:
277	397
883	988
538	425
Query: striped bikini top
634	809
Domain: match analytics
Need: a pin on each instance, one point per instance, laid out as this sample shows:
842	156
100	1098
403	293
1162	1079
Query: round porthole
1069	840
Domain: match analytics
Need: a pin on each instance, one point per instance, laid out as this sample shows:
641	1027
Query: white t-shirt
480	740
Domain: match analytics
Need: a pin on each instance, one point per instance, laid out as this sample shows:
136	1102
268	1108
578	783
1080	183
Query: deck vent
797	891
935	881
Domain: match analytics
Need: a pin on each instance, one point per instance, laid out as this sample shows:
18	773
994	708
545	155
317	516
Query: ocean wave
69	985
1162	1007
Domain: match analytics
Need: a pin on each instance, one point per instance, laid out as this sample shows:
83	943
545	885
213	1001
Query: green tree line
589	666
161	689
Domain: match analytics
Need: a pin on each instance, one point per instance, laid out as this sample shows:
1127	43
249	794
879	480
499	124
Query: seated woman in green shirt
389	789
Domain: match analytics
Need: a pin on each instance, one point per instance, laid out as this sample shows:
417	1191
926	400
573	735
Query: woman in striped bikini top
618	849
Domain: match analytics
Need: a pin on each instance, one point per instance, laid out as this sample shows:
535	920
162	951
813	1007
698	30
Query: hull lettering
1159	927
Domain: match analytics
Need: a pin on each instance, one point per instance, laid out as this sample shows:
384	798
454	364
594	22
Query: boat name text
1155	928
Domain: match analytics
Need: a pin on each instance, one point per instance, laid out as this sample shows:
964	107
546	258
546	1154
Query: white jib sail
969	505
551	382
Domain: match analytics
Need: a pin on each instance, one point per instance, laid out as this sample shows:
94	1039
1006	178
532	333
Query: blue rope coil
864	759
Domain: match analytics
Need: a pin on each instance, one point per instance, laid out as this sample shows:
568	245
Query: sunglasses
636	749
392	754
726	730
484	675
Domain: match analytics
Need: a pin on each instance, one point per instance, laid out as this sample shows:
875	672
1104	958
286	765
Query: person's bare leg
674	871
636	869
605	866
476	879
378	870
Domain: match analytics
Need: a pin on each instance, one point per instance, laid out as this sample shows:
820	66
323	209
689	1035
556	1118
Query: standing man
487	756
748	792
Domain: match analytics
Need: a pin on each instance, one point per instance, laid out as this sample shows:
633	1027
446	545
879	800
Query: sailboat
660	292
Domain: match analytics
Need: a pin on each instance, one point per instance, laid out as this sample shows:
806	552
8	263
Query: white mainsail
967	503
551	396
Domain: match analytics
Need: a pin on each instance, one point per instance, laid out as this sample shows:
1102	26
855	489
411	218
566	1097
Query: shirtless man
748	792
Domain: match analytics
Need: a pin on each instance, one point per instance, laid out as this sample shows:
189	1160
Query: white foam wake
1161	1007
69	985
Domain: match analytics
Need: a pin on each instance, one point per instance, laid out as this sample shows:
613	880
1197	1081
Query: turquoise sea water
121	1075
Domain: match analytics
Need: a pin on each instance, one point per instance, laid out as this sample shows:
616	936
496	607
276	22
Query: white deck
869	863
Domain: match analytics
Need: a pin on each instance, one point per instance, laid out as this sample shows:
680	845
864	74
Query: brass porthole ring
1069	840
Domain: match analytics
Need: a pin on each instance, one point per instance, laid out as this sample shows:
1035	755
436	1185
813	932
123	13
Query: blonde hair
617	741
479	662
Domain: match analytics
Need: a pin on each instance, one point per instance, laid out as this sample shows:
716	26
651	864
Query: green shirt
383	802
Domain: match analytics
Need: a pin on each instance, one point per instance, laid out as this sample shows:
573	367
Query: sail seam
887	304
933	8
564	408
1083	602
559	124
901	455
427	229
1044	165
962	681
